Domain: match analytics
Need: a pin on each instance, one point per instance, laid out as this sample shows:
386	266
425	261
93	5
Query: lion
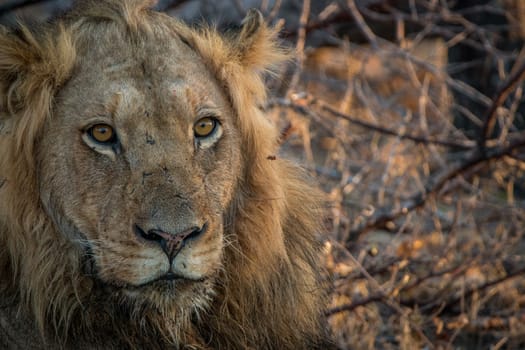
141	202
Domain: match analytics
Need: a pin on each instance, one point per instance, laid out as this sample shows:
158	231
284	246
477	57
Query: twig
497	101
466	145
351	7
420	199
373	270
387	298
351	306
301	38
274	11
447	305
380	296
339	17
496	323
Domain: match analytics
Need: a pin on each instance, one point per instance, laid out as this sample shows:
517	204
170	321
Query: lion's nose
171	243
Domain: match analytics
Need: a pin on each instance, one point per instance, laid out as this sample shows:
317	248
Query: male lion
139	207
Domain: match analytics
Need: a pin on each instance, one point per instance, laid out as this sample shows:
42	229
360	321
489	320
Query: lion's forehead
135	95
125	96
159	71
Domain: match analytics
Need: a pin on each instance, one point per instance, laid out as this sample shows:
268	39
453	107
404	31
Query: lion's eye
205	126
102	133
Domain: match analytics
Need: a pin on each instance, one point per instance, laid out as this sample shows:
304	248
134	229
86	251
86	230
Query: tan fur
71	265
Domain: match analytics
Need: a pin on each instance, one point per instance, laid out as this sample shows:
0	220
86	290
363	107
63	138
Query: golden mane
269	293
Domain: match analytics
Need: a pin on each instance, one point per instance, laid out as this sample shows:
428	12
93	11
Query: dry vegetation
410	115
415	131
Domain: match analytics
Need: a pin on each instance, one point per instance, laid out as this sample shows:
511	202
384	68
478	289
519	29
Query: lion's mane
269	294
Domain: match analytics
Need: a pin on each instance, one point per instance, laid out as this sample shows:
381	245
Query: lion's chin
160	285
170	281
167	291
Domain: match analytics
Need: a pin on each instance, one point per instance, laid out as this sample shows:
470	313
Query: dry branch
497	101
434	186
325	107
382	296
465	145
383	217
448	305
361	23
299	46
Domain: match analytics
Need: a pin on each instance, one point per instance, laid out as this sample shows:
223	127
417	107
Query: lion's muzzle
171	243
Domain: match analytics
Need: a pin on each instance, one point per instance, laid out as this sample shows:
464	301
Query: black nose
171	243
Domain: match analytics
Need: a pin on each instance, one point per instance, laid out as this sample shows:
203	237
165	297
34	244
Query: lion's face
138	165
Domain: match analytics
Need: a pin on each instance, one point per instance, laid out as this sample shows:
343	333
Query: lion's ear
30	64
250	27
17	60
32	67
12	65
256	44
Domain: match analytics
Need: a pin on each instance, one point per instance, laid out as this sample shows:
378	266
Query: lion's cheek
198	263
128	267
221	182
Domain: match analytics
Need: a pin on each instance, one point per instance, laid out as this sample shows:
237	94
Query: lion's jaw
119	204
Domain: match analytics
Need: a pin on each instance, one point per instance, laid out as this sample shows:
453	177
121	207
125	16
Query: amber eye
204	126
102	133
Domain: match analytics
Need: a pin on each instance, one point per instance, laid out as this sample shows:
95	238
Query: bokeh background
410	115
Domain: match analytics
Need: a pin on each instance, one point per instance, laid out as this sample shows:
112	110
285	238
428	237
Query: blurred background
410	115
